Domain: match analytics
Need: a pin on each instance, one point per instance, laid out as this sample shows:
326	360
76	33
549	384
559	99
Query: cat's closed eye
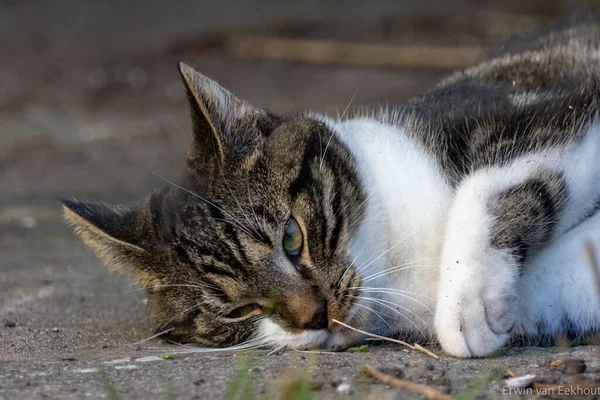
245	311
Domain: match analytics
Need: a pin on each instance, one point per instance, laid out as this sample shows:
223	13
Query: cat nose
319	319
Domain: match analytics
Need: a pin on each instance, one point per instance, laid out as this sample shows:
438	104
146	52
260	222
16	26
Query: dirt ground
91	106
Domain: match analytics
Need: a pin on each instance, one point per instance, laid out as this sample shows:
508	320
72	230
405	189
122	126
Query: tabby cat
460	216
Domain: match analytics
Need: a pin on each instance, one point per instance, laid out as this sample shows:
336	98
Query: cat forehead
295	139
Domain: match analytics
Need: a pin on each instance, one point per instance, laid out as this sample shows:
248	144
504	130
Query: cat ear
118	234
218	119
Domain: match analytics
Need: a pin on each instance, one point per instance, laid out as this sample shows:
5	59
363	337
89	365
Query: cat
460	216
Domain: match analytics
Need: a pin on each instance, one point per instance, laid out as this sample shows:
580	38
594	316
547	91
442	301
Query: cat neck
408	197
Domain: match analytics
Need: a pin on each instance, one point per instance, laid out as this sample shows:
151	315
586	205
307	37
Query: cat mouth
331	336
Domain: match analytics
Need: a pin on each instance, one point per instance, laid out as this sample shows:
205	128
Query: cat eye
292	240
244	311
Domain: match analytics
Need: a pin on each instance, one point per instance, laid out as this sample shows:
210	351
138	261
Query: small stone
85	370
520	381
126	367
148	359
344	387
118	361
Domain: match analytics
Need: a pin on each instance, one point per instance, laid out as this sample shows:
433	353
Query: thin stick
410	346
319	51
426	391
424	350
593	263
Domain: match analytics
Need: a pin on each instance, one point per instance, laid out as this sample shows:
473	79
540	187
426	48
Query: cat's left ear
120	236
226	129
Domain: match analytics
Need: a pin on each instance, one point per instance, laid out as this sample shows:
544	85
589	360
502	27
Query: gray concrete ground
90	106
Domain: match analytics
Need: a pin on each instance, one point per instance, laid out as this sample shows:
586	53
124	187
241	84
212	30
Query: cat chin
277	337
274	335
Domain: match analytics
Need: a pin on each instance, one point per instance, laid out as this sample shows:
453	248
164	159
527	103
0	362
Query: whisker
389	290
178	344
400	294
333	133
151	337
275	350
401	267
184	312
376	313
242	346
166	286
264	226
236	200
383	303
239	224
208	285
364	269
349	103
370	257
352	263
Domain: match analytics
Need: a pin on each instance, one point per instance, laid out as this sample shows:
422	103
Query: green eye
244	311
292	240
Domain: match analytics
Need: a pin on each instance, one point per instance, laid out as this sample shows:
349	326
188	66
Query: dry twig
424	350
410	346
319	51
426	391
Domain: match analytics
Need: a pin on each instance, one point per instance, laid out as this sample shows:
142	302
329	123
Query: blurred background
90	98
91	104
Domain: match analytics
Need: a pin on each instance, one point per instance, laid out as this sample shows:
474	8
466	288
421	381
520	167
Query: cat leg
498	217
558	290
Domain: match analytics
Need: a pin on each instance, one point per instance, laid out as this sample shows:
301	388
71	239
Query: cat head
253	242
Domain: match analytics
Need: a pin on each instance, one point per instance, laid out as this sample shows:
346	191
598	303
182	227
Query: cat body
460	216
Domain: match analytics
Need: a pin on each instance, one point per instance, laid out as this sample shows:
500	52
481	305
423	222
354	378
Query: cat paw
477	305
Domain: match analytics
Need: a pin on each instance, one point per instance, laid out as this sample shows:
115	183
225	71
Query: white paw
477	303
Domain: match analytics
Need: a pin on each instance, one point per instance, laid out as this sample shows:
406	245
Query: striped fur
424	222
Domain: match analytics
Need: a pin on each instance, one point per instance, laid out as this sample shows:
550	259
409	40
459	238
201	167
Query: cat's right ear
119	235
223	124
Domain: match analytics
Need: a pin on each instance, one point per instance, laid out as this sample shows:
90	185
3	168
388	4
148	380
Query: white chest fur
398	246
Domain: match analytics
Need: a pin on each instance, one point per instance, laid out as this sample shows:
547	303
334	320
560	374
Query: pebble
85	370
118	361
520	381
343	387
126	367
148	359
